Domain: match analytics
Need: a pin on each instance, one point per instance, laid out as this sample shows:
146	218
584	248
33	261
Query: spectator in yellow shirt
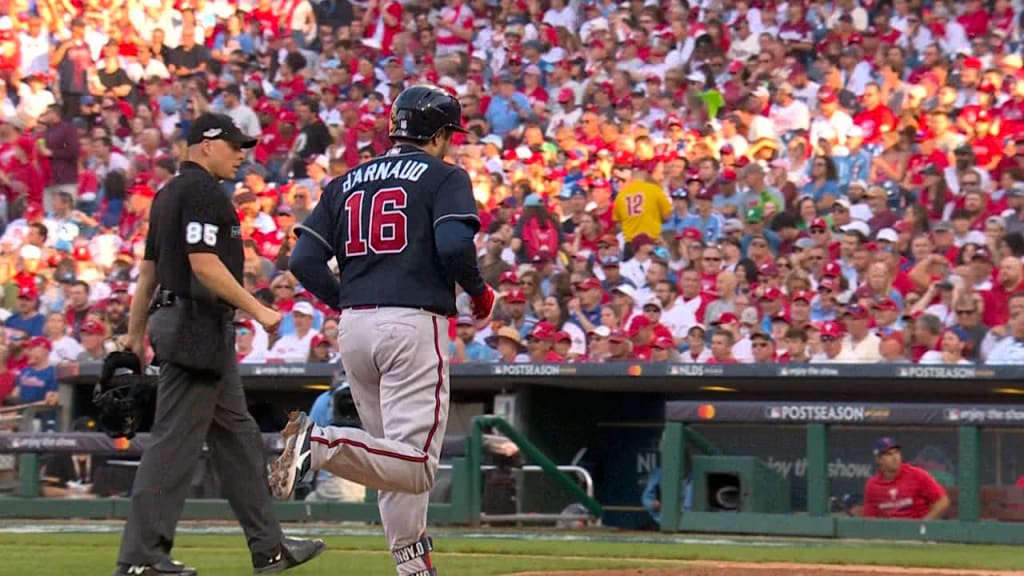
641	207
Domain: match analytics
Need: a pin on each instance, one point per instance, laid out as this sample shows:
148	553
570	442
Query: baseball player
401	227
194	255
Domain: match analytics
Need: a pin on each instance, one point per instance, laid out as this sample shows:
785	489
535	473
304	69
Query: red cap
28	291
771	293
831	328
508	277
42	341
728	175
805	295
591	284
664	343
245	323
832	270
81	254
93	327
318	340
562	336
116	287
819	223
543	331
828	284
638	323
515	296
856	311
566	94
768	269
902	226
886	304
727	318
972	62
827	96
689	233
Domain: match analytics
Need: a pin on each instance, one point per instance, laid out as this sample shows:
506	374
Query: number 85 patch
196	232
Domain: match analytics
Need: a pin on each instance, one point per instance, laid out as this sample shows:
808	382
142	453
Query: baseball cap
508	277
464	320
244	323
40	341
318	340
805	295
888	235
832	329
543	331
819	223
754	214
856	311
664	343
828	284
213	126
610	262
304	308
590	284
768	269
625	290
515	296
726	318
617	335
602	331
884	444
93	327
832	270
27	291
886	304
562	336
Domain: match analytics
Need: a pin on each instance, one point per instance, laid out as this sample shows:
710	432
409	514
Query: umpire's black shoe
166	567
294	462
293	553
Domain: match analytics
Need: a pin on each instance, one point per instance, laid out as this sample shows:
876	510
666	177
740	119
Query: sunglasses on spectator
760	344
829	339
964	312
284	287
759	244
243	331
712	259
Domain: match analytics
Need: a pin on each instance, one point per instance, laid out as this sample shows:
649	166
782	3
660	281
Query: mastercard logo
121	444
635	370
706	412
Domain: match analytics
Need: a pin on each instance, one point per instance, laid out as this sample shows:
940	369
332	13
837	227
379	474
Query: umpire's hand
270	319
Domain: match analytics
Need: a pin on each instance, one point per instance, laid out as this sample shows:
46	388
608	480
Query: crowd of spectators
727	181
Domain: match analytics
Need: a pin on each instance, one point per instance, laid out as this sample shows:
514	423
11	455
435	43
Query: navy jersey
379	220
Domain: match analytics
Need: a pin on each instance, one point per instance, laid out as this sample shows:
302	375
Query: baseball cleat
293	464
166	567
293	552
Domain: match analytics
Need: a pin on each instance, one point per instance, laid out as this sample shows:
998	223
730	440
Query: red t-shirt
6	384
909	495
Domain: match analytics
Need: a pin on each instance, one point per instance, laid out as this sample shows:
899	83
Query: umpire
190	280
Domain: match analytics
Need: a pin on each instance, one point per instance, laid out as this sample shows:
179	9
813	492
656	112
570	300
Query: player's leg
414	402
184	410
391	457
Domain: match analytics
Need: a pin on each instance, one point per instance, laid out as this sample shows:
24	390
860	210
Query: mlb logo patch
236	231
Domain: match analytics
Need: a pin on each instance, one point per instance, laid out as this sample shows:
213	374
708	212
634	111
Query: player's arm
936	494
456	223
313	251
664	205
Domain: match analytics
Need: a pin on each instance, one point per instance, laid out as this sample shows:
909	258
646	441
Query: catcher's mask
119	395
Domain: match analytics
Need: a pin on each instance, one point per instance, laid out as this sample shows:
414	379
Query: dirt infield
702	568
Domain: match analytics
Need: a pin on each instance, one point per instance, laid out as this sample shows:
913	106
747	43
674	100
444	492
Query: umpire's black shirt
379	220
192	214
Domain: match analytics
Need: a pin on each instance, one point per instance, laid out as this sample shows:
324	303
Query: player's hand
135	343
270	319
482	304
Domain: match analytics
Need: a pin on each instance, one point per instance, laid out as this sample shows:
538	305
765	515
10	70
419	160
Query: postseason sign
845	413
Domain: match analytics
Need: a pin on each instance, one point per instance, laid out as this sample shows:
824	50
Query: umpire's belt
166	299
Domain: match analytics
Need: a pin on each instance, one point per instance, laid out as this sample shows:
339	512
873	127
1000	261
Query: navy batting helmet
122	399
420	112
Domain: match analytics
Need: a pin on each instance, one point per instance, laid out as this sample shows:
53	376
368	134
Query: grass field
89	554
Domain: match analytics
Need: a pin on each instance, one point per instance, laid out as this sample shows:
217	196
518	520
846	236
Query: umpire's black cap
218	127
421	111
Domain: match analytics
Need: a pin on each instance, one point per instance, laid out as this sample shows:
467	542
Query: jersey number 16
388	233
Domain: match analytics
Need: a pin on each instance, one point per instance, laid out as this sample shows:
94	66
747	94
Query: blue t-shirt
33	384
32	326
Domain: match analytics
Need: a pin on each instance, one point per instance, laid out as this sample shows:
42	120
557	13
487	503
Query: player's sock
414	559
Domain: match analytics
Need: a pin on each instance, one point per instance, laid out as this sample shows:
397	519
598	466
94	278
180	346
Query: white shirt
65	349
35	52
833	129
292	348
1009	351
866	350
935	357
702	358
635	271
137	72
246	120
795	116
743	49
680	318
256	356
566	18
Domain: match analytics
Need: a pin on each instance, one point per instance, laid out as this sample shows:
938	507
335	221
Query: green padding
938	531
769	524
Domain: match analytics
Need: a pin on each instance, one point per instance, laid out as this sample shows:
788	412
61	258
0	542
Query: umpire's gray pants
189	412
